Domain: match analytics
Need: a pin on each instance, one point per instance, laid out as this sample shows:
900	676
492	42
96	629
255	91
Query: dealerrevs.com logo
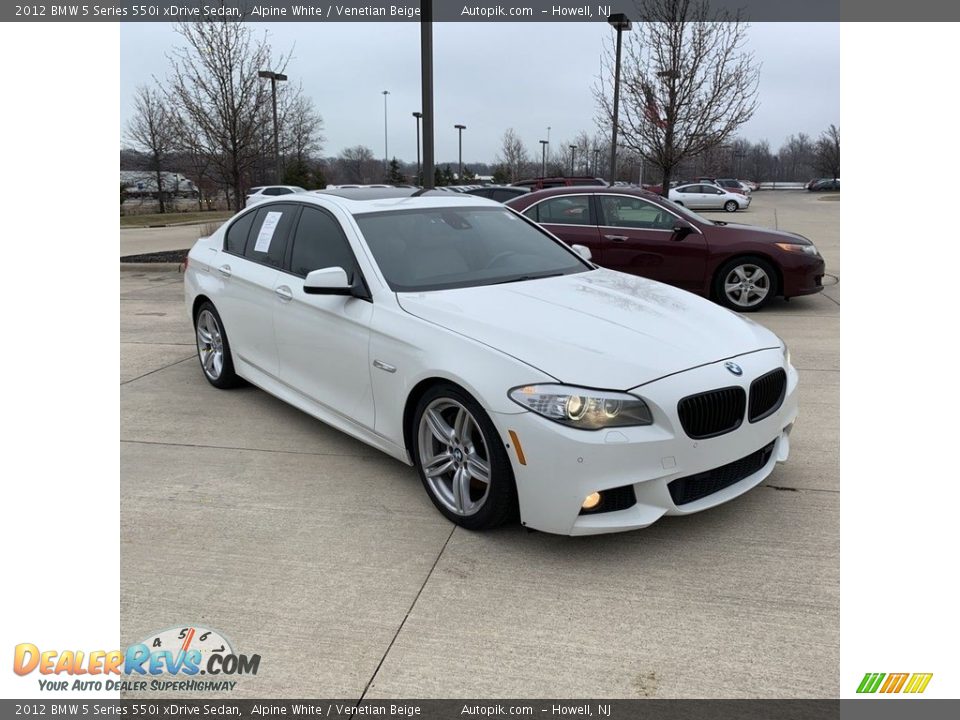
170	660
910	683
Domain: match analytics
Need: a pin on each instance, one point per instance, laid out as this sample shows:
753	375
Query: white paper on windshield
267	230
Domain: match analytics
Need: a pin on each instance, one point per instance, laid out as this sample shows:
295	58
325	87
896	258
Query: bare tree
356	163
151	130
215	87
827	153
687	84
301	127
513	155
796	157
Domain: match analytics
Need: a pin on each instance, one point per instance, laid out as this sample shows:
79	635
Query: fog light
591	501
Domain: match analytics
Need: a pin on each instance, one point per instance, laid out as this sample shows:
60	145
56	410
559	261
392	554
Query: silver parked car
701	196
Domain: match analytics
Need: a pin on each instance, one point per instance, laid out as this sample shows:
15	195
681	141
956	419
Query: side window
566	210
319	242
631	212
274	191
532	213
267	241
236	239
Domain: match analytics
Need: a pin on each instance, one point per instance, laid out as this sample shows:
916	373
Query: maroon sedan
633	231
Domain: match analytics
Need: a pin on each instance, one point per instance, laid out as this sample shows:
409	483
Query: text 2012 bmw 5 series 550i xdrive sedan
520	380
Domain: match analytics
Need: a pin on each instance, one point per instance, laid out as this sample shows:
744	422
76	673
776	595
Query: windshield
443	248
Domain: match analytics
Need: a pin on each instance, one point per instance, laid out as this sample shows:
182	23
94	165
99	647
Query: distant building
143	183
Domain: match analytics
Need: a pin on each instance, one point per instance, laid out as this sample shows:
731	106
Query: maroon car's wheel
745	284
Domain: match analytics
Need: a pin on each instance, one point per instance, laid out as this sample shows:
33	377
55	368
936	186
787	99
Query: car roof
581	189
358	201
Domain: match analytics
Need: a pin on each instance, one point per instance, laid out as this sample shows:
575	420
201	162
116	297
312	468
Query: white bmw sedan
520	380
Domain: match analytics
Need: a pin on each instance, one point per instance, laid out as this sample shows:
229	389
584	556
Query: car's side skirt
291	396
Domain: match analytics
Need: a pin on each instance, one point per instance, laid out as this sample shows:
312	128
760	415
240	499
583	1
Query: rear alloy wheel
731	206
213	349
461	461
746	284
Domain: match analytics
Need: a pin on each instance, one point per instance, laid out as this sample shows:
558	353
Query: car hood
600	329
762	234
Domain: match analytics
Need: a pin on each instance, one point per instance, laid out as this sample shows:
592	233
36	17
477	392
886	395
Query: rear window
236	239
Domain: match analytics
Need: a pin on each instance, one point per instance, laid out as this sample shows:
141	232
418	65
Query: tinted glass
688	189
274	191
631	212
504	195
267	240
319	242
236	239
442	248
565	210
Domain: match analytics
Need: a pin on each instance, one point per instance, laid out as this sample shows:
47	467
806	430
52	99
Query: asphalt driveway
326	557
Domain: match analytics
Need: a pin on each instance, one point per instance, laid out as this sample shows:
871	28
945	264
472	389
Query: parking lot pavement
327	558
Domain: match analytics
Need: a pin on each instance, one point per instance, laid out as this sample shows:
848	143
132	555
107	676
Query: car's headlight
786	351
583	408
810	249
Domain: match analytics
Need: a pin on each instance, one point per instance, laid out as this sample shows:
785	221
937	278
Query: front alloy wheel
461	462
731	206
746	284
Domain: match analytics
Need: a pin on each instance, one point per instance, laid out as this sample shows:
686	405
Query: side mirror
328	281
681	229
583	251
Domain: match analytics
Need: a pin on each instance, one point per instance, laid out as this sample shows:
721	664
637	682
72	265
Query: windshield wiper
522	278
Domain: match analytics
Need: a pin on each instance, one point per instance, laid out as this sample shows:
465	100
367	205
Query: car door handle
284	293
616	238
225	270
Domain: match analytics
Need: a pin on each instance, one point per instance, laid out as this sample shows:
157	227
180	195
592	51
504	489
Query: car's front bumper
562	465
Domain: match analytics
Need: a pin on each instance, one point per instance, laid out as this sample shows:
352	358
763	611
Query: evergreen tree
394	175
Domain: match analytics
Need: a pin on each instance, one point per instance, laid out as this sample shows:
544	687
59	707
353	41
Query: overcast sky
492	76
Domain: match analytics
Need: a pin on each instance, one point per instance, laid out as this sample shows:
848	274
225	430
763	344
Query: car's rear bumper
562	466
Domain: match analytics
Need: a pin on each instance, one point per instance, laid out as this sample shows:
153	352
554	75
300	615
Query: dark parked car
634	231
500	193
824	185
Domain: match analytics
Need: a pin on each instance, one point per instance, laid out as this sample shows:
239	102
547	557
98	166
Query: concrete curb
158	267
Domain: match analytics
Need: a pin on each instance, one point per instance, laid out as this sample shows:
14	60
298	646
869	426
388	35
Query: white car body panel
353	364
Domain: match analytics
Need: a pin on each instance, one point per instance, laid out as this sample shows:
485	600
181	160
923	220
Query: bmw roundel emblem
734	368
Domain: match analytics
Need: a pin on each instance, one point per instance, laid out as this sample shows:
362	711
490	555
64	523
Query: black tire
499	504
227	378
731	206
746	263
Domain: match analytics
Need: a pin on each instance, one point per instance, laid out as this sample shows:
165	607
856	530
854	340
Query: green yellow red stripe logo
894	683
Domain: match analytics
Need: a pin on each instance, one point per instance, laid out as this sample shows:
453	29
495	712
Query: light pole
386	152
573	159
619	22
596	162
274	78
543	161
418	115
460	129
426	89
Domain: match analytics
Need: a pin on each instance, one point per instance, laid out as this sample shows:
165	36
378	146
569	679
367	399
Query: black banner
872	709
466	11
